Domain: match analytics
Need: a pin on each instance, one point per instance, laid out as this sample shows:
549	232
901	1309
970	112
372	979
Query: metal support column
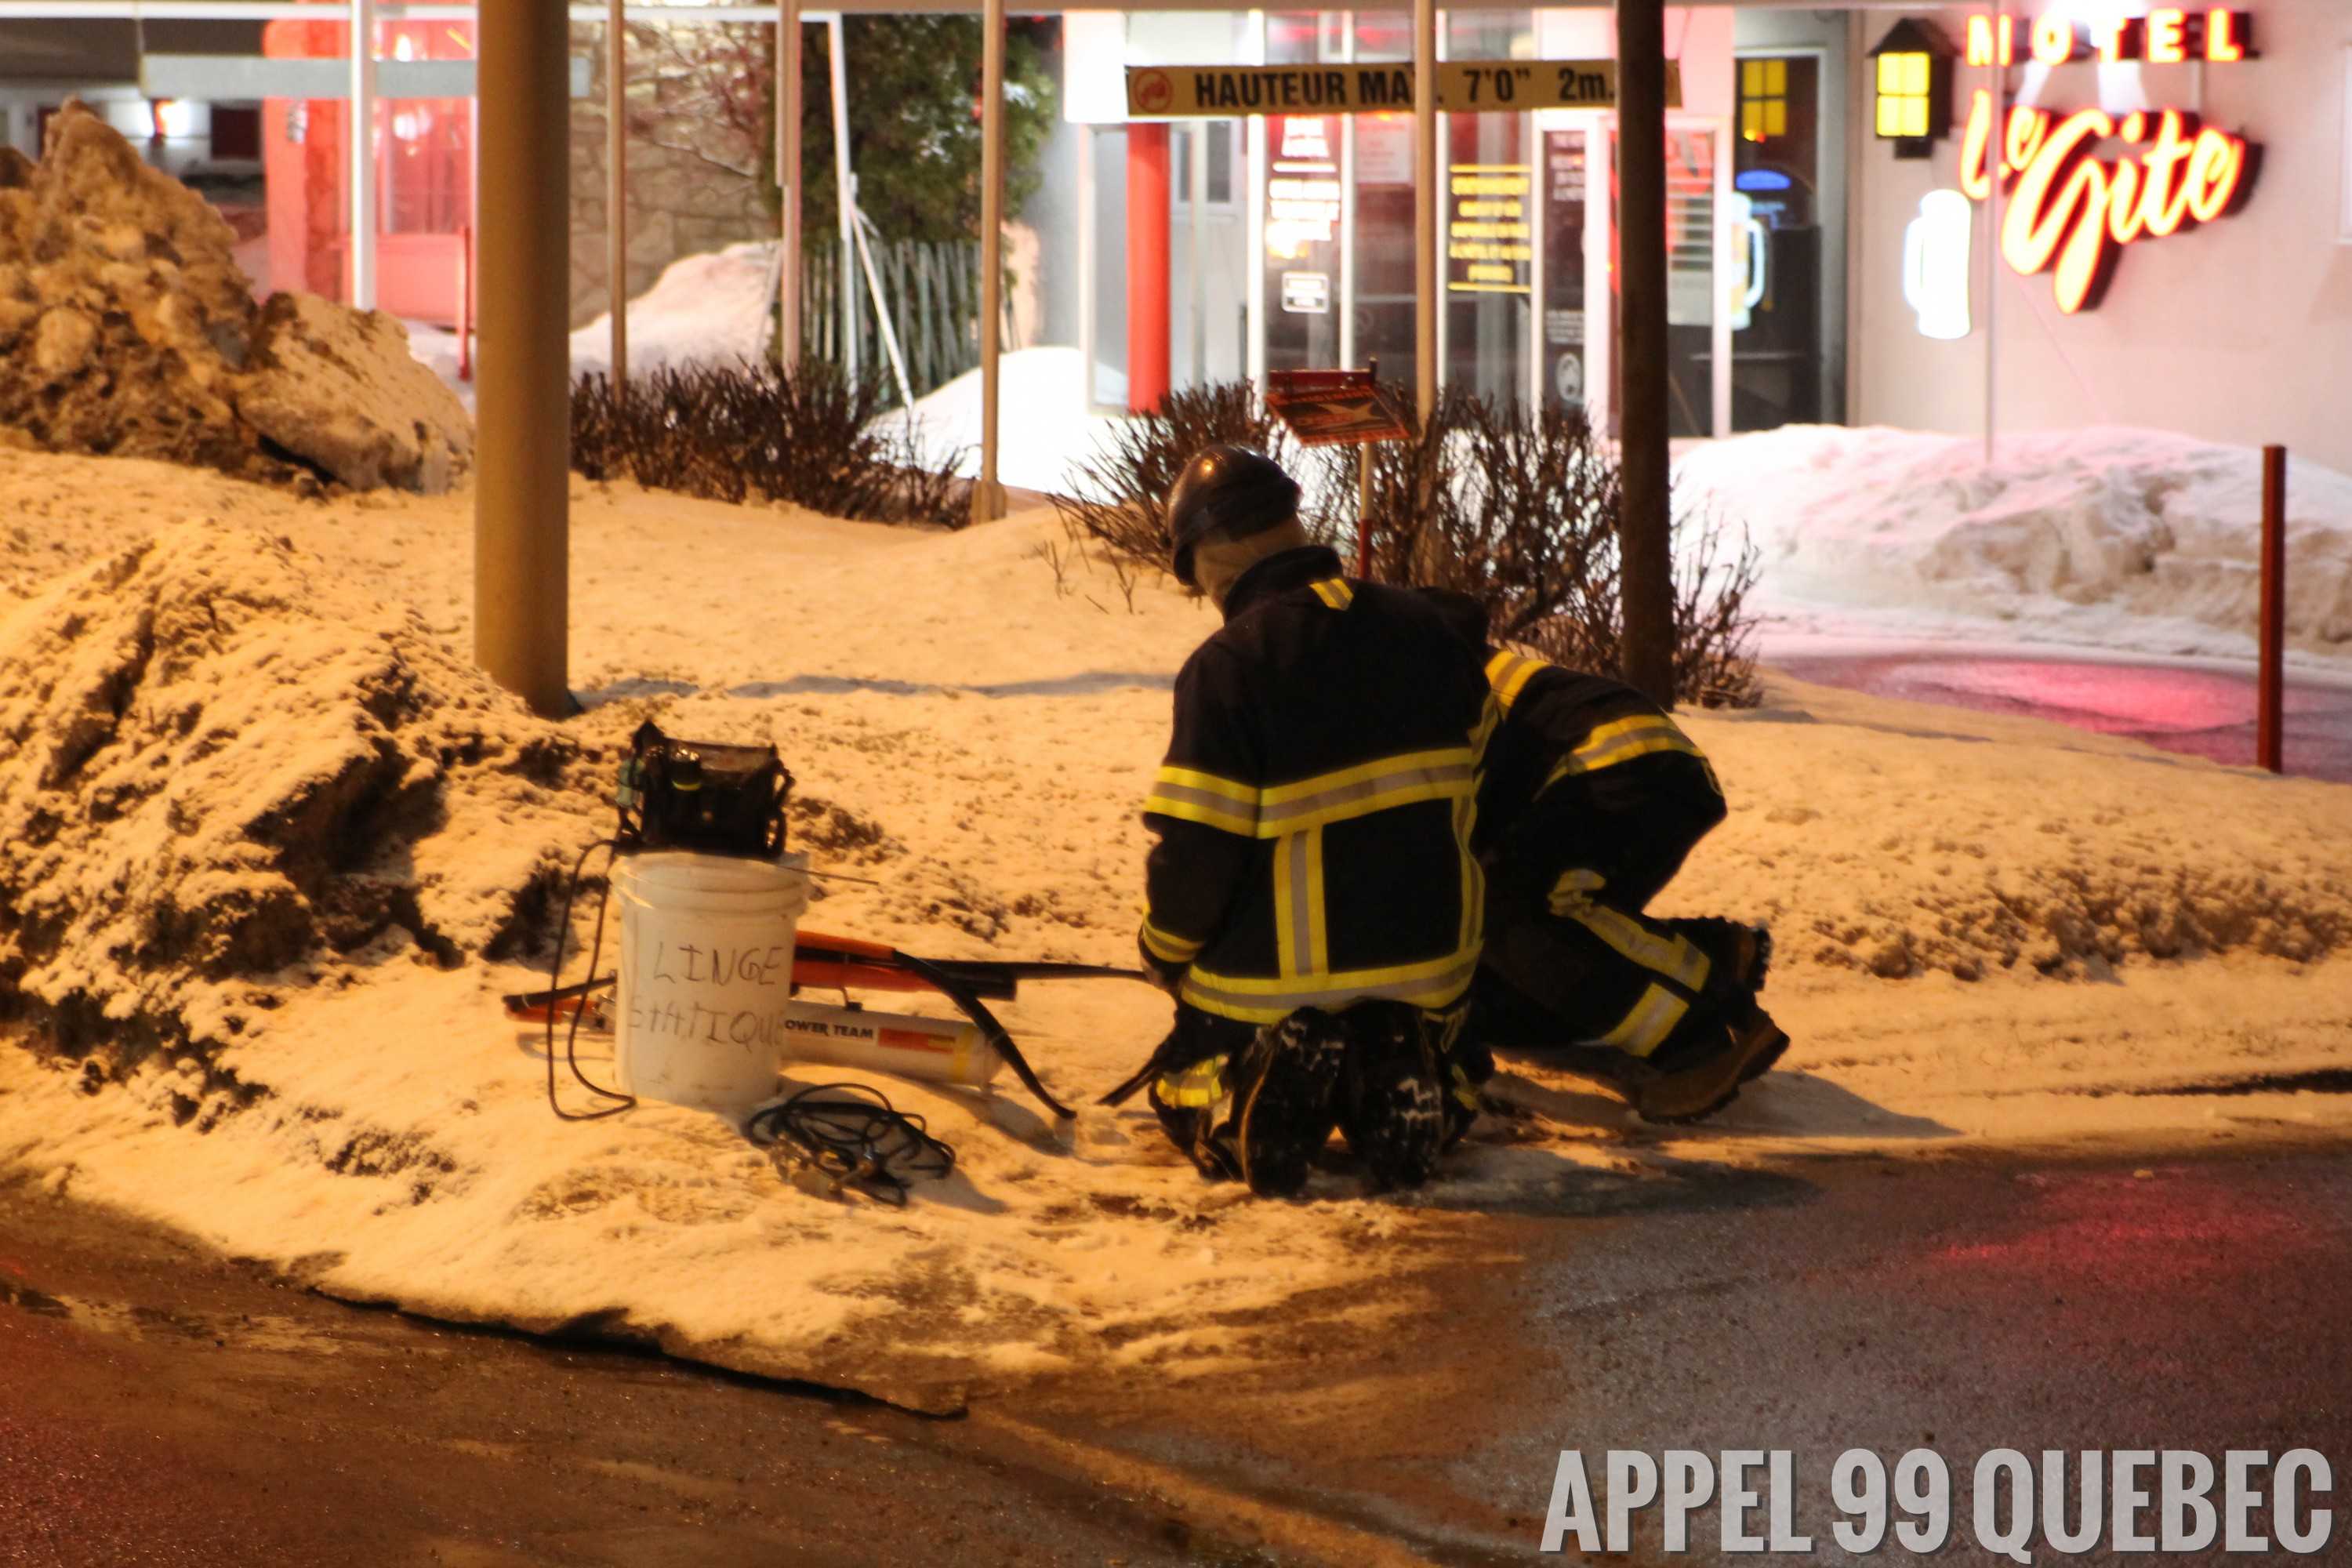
616	187
521	495
1645	539
788	185
1427	180
987	499
361	154
845	312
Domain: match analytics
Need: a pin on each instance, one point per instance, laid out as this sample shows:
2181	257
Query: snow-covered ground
1991	929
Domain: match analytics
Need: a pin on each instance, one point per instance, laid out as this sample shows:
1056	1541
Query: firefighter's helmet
1229	493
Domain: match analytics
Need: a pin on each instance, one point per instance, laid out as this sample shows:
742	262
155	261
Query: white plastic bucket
705	971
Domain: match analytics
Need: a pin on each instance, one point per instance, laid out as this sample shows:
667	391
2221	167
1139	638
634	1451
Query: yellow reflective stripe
1167	948
1490	719
1318	946
1230	820
1192	795
1622	741
1675	957
1334	592
1436	984
1289	902
1474	893
1465	827
1646	1029
1200	1084
1509	674
1207	784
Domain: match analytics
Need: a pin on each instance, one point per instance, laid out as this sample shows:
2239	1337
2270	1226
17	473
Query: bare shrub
1518	509
744	432
1122	491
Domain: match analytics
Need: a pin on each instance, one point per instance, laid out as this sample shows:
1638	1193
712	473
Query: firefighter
1314	902
1590	801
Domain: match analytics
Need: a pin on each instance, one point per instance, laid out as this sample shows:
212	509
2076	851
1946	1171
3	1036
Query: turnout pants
1572	964
1258	1105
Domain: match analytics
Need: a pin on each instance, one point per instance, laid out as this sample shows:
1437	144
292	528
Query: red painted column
1147	267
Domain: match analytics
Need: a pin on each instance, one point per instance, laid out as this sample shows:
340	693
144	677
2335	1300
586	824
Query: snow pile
2082	927
1045	423
339	389
710	308
229	774
127	329
1910	842
2113	538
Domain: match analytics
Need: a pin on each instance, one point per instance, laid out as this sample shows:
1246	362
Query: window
1763	99
1221	162
237	130
1905	85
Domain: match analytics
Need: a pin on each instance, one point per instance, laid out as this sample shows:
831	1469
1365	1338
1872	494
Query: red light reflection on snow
2109	698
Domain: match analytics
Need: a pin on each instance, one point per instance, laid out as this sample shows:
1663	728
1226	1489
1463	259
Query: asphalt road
2203	712
161	1407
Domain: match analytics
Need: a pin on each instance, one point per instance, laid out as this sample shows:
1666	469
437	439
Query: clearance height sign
1463	87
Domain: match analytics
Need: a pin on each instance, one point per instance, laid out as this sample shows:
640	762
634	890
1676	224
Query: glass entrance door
1698	320
1777	353
1695	318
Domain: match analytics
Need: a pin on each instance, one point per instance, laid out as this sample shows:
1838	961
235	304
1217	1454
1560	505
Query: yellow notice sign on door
1463	87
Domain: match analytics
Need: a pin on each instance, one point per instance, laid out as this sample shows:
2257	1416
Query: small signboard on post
1337	408
1334	408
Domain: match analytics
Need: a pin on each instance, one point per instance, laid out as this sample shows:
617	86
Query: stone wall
683	205
679	204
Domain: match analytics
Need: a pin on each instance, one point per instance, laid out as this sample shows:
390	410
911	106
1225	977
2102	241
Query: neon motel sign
2072	206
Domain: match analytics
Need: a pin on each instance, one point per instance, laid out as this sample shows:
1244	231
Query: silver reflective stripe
1363	790
1446	985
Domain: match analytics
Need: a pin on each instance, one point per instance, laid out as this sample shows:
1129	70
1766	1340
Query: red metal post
1147	266
2270	724
465	302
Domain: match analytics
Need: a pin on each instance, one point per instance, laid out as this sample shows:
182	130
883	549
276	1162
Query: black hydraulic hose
555	978
991	1030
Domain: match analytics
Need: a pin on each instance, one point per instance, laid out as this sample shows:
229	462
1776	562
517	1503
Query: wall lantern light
1913	75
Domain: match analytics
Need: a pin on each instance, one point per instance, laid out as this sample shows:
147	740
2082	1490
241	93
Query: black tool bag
698	796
